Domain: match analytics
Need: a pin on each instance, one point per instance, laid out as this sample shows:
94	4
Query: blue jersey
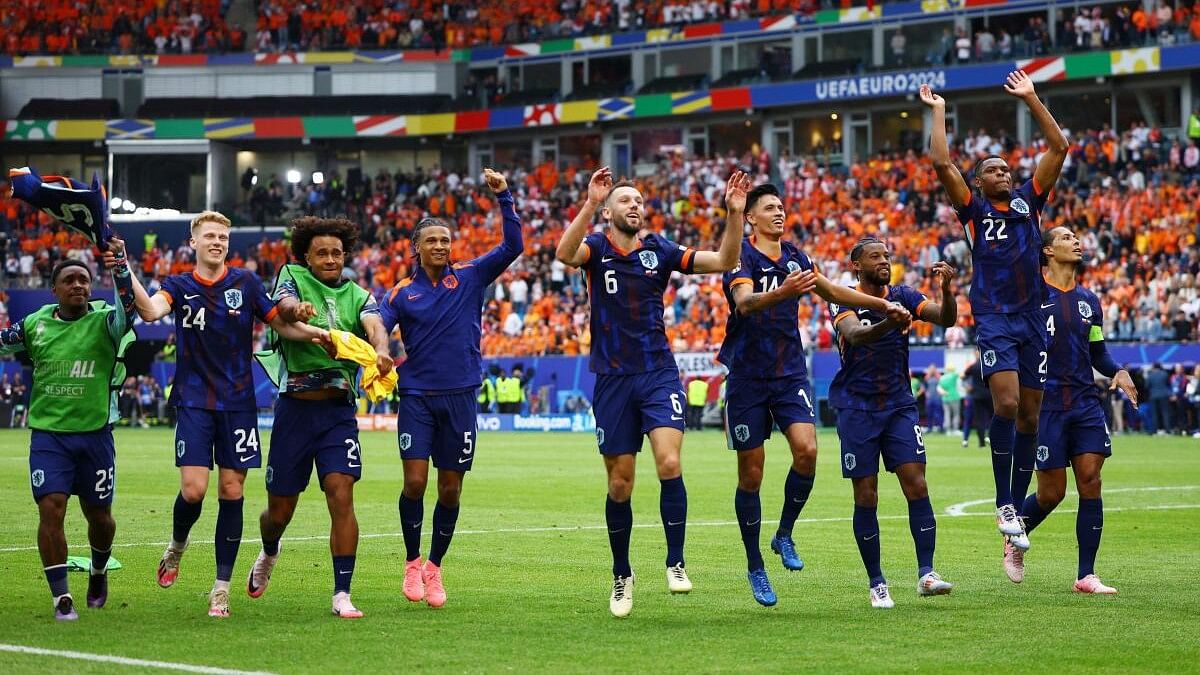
764	344
214	328
440	319
874	376
1006	245
626	290
1073	322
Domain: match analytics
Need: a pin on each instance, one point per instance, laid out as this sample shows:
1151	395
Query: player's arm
493	263
300	332
376	335
850	328
848	297
119	322
748	302
287	301
12	339
150	307
1103	362
571	249
939	151
1050	166
944	312
726	257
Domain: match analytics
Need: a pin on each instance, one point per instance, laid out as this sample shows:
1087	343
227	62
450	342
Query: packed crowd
121	27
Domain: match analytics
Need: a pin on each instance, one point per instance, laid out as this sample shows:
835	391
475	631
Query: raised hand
114	255
1019	84
599	185
931	99
735	191
944	271
495	180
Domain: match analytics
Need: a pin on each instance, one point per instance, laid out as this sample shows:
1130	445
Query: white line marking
960	509
124	661
577	528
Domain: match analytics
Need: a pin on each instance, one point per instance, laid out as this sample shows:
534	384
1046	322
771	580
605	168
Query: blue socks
56	576
1022	472
748	508
795	494
1033	513
444	519
228	536
619	517
924	533
866	535
343	572
1003	434
412	514
184	517
100	560
1089	525
271	546
672	507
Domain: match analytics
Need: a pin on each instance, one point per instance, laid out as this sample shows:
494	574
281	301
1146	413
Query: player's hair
306	228
624	182
62	265
758	192
857	251
209	217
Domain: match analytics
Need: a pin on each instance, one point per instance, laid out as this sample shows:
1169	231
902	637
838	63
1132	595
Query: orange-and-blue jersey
1006	243
874	376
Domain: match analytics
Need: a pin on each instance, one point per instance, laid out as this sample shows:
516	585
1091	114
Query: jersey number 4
994	229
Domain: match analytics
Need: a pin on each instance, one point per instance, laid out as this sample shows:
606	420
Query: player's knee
867	498
1088	485
229	489
620	488
1006	406
915	488
414	486
193	491
1050	496
52	509
668	468
750	478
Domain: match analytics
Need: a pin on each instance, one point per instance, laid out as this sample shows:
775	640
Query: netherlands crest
989	358
599	436
1043	453
1020	206
38	478
793	266
1085	310
233	298
741	432
649	259
849	460
405	441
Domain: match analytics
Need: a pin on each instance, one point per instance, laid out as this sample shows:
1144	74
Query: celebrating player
214	309
75	346
1003	231
877	414
768	377
314	416
1072	429
439	310
637	382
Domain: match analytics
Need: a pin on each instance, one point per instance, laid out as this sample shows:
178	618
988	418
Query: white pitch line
960	509
124	661
715	523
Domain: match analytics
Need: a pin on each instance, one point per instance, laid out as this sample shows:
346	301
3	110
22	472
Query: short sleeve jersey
214	328
874	376
1006	244
1073	321
764	344
626	292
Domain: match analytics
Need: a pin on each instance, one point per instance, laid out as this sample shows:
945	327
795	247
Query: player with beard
1002	226
637	382
877	415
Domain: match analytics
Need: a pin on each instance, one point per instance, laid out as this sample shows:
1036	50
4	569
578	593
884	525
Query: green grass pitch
528	573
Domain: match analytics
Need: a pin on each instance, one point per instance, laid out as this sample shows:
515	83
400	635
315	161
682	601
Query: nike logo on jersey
243	460
676	417
414	296
1043	379
864	311
1048	306
354	466
463	460
190	297
768	269
604	260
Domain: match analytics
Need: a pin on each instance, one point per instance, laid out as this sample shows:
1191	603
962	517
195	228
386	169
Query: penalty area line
124	661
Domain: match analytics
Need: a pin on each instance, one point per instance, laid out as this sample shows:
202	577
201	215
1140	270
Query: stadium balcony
667	85
279	106
71	109
599	90
736	78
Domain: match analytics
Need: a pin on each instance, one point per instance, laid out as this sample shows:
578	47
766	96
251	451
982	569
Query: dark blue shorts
228	437
753	406
324	433
83	464
1013	342
866	435
438	426
627	407
1062	434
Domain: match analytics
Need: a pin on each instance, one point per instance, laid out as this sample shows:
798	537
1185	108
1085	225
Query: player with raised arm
637	382
1073	429
877	415
439	310
76	348
214	309
1002	224
768	376
315	421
